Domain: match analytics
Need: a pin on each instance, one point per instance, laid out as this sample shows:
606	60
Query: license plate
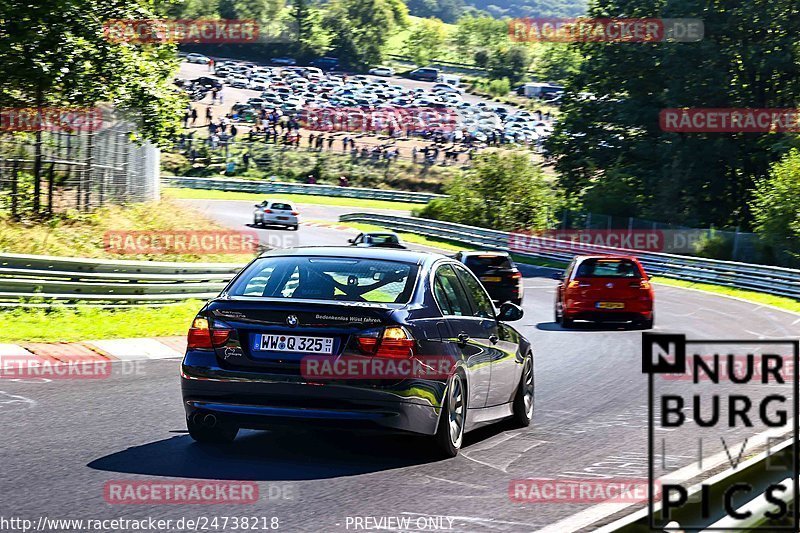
293	343
491	279
610	305
283	218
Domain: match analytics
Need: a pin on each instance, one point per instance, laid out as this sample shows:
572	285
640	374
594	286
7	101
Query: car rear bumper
633	310
270	219
259	400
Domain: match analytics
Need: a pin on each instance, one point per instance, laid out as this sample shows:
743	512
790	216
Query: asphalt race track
64	440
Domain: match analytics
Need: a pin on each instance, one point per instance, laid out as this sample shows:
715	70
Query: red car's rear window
608	268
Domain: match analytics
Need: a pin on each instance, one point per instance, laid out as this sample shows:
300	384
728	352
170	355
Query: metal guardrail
279	187
31	279
766	279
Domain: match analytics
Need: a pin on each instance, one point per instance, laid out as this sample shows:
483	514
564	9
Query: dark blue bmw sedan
366	338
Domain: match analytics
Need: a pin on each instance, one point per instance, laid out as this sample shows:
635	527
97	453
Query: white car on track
276	213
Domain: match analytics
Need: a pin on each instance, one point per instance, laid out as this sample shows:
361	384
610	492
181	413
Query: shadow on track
271	456
588	327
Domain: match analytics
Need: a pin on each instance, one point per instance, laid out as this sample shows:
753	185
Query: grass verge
71	324
77	234
199	194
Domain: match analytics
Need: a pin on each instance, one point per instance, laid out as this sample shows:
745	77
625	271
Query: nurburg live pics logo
739	392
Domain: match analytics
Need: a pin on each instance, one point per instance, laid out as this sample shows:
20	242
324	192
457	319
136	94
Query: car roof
606	256
471	253
278	200
388	254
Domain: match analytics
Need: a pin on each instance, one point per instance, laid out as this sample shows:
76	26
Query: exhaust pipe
210	421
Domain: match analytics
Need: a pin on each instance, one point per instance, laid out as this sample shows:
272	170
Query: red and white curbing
100	350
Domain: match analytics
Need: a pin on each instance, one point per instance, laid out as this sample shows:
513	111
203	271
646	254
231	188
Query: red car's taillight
642	284
200	336
393	342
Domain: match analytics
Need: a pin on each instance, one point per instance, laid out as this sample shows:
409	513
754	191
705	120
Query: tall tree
747	58
360	29
426	40
55	53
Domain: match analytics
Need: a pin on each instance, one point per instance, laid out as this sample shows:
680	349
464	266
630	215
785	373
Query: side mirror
510	312
558	275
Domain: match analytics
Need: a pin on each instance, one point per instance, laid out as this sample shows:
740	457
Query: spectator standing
193	116
209	115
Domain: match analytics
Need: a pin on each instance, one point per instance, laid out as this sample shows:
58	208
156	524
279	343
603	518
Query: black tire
648	322
293	228
448	438
221	433
565	322
523	400
517	301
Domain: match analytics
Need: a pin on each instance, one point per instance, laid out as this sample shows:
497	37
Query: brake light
644	284
200	336
295	213
268	210
516	275
394	342
574	284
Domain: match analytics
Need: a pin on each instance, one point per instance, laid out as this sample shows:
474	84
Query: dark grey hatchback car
362	338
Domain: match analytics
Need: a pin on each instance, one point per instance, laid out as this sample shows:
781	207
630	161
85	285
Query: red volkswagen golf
604	288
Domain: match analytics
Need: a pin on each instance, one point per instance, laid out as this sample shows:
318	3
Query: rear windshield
328	278
482	263
381	239
608	268
281	207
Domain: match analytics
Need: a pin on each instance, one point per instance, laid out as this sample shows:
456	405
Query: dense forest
450	10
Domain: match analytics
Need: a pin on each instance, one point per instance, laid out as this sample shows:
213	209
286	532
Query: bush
503	191
499	87
715	246
776	206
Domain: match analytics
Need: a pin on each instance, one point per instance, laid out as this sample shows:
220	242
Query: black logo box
678	366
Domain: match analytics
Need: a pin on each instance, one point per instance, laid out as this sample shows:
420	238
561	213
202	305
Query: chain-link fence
52	171
715	243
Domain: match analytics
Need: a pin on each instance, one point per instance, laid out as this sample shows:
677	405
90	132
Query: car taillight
644	284
200	336
574	284
295	213
268	210
516	275
393	342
